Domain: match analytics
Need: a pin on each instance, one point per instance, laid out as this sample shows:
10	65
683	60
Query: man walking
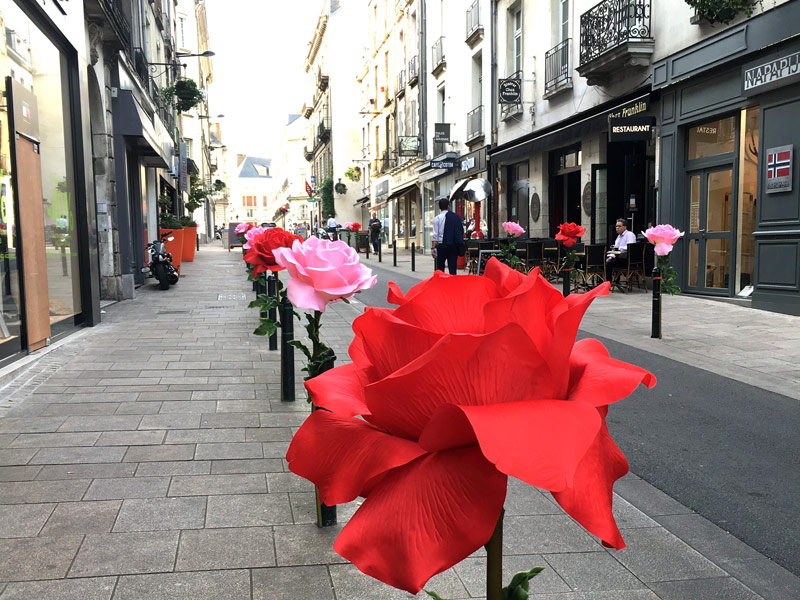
448	235
375	232
332	225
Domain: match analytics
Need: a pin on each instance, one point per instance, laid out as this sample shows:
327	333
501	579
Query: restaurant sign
779	169
630	129
510	90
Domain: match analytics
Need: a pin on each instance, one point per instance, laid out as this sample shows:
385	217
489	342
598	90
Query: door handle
701	231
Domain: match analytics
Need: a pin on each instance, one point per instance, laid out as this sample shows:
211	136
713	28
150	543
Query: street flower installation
431	448
241	230
508	248
568	235
351	228
664	237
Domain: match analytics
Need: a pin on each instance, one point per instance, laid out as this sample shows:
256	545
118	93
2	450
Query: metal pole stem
565	282
413	257
287	351
656	327
272	290
394	254
494	562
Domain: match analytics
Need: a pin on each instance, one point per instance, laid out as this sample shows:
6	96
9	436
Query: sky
259	80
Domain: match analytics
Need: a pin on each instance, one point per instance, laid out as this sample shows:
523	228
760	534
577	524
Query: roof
256	168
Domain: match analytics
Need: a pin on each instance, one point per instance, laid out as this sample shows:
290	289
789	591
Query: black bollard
394	254
413	257
566	280
272	290
287	351
380	253
326	515
656	328
197	241
367	248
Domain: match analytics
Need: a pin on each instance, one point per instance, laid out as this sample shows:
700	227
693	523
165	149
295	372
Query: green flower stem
494	562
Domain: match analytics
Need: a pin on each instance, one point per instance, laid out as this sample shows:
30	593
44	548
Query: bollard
272	290
566	280
380	253
367	250
394	254
287	351
197	240
656	328
326	515
413	257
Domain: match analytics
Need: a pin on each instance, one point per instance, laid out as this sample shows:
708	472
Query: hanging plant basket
353	173
720	11
187	95
340	188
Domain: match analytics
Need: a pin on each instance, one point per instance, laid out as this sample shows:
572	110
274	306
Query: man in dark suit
452	238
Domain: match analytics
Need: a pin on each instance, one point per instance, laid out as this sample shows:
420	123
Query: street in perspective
391	299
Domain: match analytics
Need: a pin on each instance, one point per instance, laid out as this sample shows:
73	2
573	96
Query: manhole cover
232	296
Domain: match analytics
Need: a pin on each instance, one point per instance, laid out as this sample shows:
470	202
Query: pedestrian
448	236
375	232
332	225
619	251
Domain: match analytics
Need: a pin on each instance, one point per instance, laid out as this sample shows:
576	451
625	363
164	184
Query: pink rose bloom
241	228
663	236
250	234
322	272
513	229
346	225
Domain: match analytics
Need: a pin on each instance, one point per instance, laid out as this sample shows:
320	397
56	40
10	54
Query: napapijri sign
766	75
779	169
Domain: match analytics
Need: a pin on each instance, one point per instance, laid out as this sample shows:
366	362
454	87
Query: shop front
48	283
405	200
729	166
473	165
437	178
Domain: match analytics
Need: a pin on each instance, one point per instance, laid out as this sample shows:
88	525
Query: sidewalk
143	459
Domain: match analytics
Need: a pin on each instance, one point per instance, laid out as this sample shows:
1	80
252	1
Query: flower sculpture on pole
568	235
508	250
351	228
431	448
241	230
664	238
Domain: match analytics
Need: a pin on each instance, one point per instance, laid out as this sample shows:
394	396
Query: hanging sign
441	133
779	169
510	91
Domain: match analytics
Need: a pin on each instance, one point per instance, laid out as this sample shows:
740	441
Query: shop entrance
709	234
565	188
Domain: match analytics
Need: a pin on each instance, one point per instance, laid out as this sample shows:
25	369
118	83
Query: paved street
143	459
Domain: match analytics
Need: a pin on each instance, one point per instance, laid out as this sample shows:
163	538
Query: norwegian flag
309	191
779	164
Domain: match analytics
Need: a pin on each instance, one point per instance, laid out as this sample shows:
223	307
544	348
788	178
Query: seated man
620	247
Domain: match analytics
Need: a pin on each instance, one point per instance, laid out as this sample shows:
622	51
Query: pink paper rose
322	272
513	229
241	228
663	236
250	234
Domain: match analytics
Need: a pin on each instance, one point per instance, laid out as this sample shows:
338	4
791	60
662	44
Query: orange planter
175	247
189	243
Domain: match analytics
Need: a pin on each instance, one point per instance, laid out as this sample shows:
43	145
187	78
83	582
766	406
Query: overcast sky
260	48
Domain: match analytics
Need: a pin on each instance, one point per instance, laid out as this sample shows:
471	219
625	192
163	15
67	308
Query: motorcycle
160	265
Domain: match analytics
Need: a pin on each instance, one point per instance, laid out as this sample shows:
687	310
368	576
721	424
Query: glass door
709	235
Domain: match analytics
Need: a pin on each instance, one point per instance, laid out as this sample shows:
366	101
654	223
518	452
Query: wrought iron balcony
475	123
401	83
438	61
557	71
322	80
474	24
120	12
413	70
386	161
141	67
323	132
615	34
308	154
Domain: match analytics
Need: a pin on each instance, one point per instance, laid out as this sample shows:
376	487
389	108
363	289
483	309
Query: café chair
534	256
594	266
552	260
631	269
472	256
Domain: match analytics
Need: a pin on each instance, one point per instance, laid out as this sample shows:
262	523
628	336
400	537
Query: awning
130	120
403	189
360	201
560	134
191	167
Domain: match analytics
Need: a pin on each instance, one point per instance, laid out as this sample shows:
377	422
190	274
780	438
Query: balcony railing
612	23
475	123
413	70
121	15
474	24
141	67
557	72
323	132
401	83
386	162
437	56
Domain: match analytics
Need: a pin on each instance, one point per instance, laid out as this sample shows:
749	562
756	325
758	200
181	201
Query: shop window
748	189
712	138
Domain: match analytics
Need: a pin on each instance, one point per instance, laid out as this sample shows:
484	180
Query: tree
326	193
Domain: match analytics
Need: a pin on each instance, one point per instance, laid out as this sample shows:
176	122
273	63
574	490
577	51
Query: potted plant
189	238
720	11
353	173
169	222
186	94
197	196
340	188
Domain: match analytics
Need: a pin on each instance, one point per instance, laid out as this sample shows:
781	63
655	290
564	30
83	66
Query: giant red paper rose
470	380
261	246
568	234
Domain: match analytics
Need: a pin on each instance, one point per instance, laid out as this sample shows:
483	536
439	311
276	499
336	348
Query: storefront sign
442	164
630	129
779	169
467	164
637	107
771	74
184	174
510	91
441	133
382	191
409	145
472	164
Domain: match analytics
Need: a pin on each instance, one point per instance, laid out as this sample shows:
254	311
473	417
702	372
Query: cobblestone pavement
143	459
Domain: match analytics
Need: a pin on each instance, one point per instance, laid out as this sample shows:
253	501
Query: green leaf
434	595
520	584
267	327
302	347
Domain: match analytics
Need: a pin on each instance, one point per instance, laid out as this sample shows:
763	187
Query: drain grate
232	296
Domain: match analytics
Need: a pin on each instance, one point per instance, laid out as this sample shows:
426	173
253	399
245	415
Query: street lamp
174	63
210	117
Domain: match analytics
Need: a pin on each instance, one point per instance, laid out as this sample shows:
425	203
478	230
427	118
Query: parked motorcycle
160	265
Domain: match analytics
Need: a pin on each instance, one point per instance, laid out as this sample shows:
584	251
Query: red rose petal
424	517
340	390
342	455
599	379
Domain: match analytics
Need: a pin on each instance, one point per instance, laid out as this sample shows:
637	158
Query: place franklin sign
771	74
630	129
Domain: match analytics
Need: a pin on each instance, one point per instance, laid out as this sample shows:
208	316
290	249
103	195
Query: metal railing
121	15
437	54
401	82
475	123
474	18
413	69
611	23
556	66
386	161
141	67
